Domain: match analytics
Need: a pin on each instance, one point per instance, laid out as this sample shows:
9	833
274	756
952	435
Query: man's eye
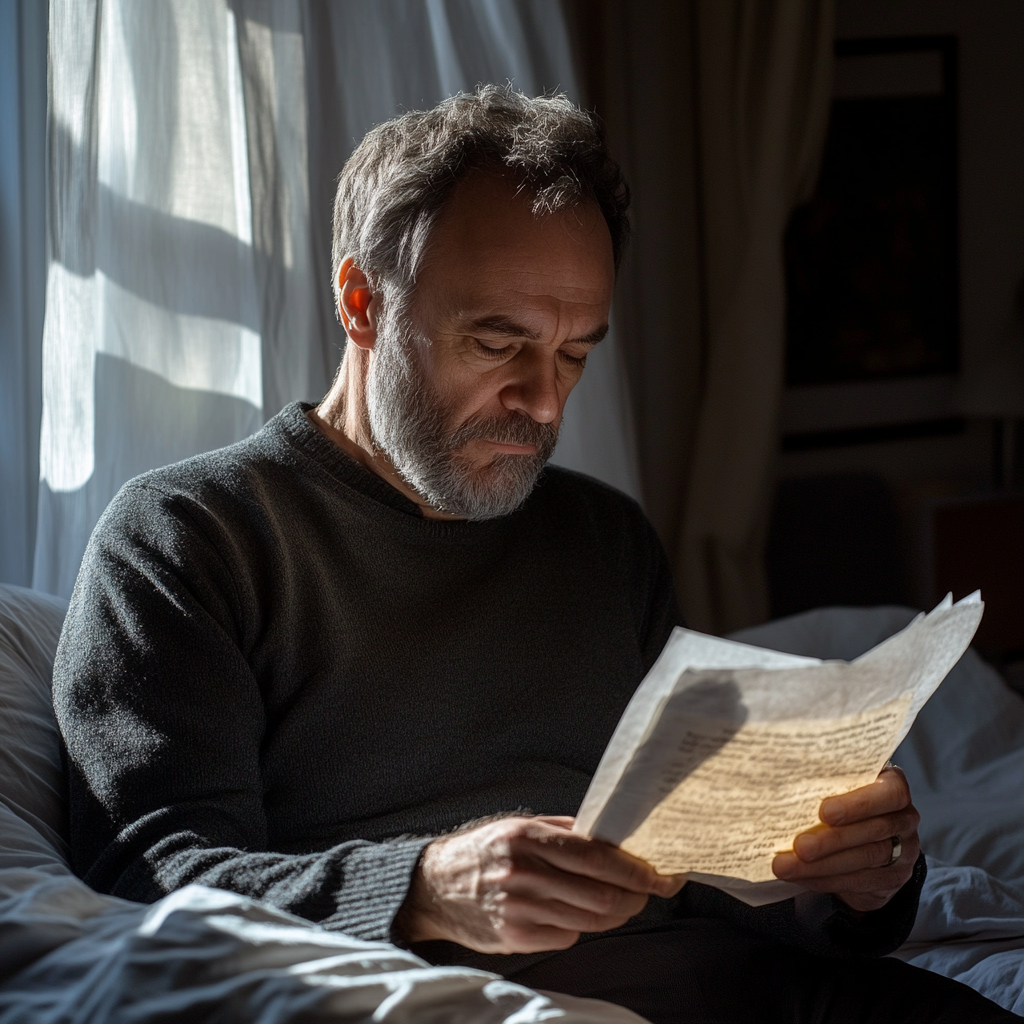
488	352
574	360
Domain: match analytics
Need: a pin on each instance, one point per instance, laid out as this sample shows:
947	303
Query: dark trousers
699	970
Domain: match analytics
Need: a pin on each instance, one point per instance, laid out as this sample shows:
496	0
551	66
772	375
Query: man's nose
533	389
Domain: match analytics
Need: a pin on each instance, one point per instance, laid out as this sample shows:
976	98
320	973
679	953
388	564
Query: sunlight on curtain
297	358
152	338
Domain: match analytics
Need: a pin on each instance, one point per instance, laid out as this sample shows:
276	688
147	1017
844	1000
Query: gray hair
394	186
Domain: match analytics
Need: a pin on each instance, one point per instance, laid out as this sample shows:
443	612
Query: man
363	665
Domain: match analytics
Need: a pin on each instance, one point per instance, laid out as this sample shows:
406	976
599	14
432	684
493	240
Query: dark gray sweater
276	677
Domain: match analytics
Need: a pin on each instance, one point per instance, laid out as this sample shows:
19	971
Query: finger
541	882
888	793
550	913
824	840
605	863
562	821
870	857
664	885
523	937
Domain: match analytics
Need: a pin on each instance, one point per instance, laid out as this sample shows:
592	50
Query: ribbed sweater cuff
882	931
377	877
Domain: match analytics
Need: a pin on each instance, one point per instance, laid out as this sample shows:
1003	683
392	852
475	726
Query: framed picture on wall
871	260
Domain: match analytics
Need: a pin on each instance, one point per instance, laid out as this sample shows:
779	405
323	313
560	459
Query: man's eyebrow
508	328
504	326
593	337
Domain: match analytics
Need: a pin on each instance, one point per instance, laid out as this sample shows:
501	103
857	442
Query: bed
68	954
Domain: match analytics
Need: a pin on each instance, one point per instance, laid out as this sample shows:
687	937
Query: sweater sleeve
163	720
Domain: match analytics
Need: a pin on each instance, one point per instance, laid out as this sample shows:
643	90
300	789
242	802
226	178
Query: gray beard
410	424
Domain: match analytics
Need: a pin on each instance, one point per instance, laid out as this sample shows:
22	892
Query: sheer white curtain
152	337
192	147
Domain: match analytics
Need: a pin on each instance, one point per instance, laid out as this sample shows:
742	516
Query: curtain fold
193	148
22	276
718	110
296	362
636	65
763	92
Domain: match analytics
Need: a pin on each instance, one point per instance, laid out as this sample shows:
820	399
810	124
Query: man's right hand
525	885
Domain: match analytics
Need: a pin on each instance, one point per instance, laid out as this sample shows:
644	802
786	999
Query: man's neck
343	418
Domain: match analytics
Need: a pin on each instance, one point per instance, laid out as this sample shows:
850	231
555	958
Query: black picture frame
872	265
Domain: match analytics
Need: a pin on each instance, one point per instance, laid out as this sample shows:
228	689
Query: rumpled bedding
200	954
964	759
70	955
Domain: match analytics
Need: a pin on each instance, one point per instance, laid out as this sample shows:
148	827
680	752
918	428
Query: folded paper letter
726	751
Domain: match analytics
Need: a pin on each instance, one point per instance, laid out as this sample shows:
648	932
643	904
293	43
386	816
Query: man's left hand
849	854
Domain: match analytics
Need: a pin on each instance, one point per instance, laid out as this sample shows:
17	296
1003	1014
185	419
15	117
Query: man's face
466	393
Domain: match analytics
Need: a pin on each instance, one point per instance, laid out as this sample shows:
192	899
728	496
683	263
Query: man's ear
357	304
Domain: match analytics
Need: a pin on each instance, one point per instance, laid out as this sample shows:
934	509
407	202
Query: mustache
517	428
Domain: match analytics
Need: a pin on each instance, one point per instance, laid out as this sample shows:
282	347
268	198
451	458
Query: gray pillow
31	780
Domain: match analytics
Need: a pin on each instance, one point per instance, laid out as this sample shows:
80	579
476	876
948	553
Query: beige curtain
763	73
718	111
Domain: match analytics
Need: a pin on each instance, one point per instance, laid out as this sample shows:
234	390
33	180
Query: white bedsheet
964	759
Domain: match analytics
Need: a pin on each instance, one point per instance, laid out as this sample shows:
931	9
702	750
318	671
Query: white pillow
32	783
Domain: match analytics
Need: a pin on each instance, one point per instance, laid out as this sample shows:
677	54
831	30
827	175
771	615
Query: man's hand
849	853
525	885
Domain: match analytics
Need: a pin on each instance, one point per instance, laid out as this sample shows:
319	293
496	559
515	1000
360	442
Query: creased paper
726	751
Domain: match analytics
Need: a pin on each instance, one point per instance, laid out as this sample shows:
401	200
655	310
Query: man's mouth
505	448
515	435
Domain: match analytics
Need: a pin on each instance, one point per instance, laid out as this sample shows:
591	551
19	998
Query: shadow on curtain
151	269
